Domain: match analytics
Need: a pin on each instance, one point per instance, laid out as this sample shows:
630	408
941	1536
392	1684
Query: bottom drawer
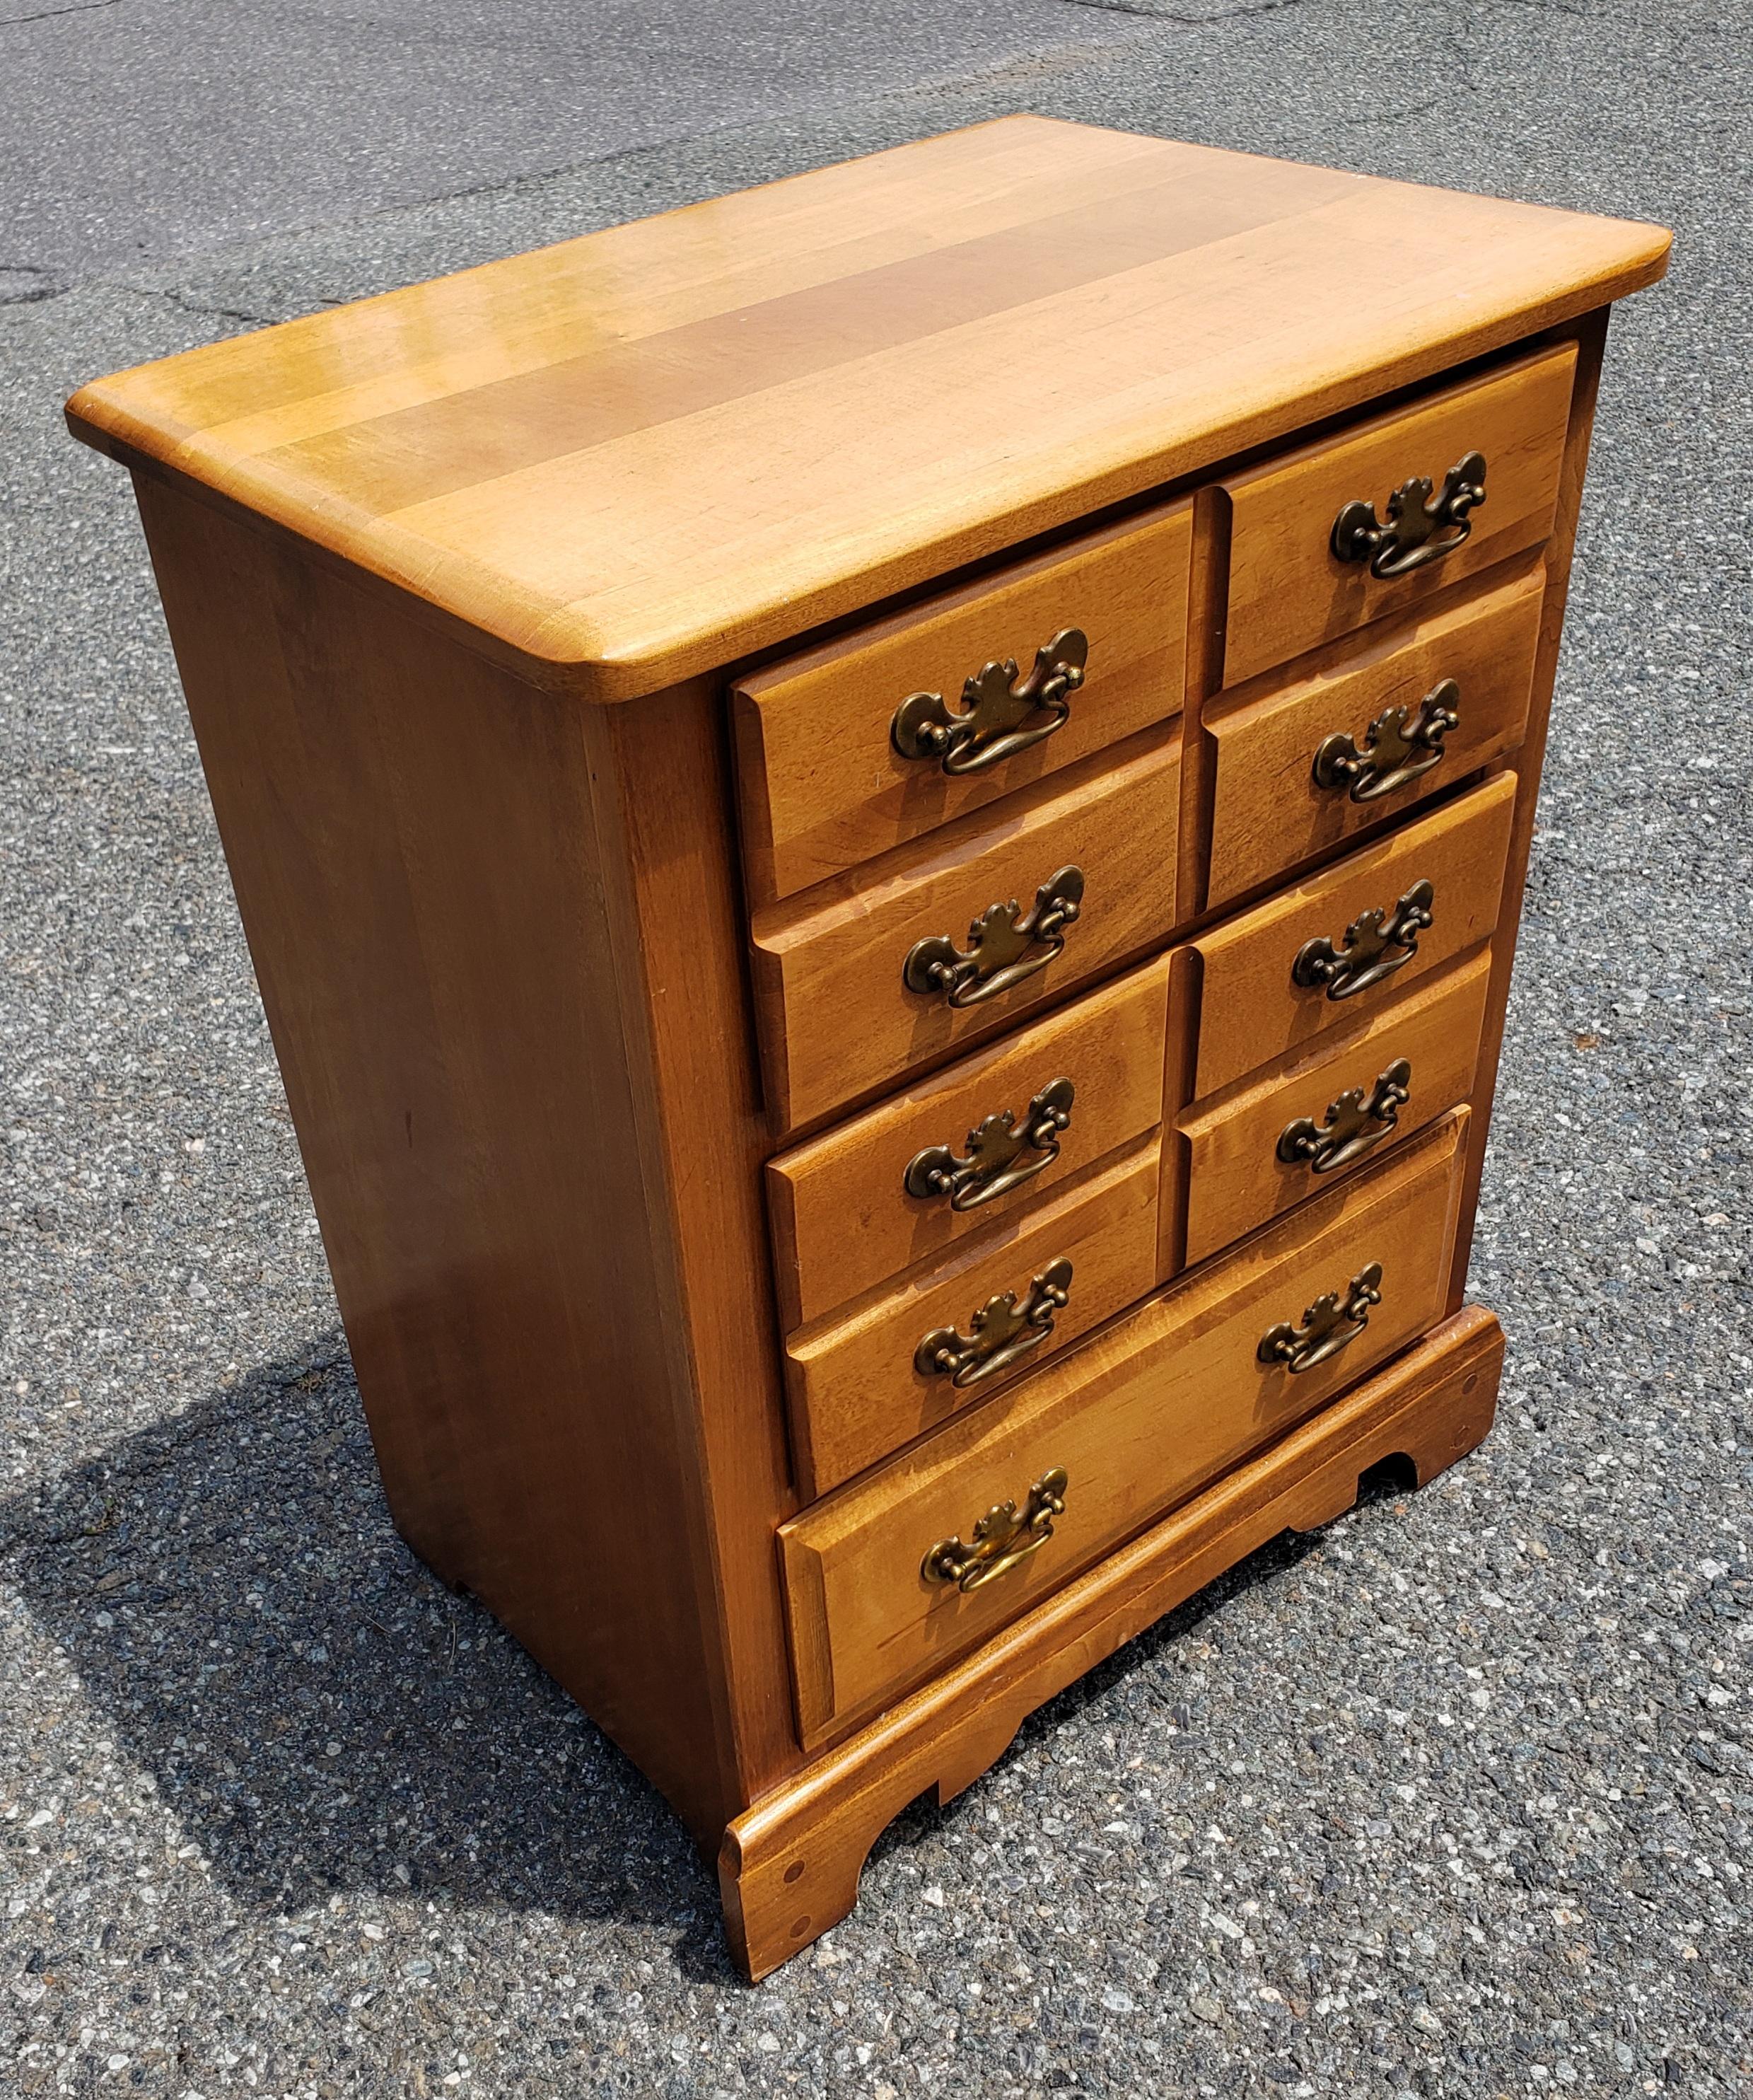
909	1567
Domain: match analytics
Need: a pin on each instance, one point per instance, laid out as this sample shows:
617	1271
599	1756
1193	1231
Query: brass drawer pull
1408	539
999	1154
1004	1536
1373	946
999	1333
1004	944
1331	1324
1400	745
1355	1122
995	704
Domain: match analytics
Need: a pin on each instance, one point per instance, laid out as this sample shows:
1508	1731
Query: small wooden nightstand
882	824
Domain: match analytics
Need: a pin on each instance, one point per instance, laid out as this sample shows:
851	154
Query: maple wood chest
882	824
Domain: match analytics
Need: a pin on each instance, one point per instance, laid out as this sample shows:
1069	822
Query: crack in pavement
49	14
40	285
1205	18
204	311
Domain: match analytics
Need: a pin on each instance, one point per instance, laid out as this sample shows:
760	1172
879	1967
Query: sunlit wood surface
640	454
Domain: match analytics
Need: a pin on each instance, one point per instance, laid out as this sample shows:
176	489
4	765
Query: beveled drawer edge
889	981
885	620
1468	972
1523	570
787	1170
1099	602
1127	1183
1212	917
1540	360
792	921
1117	1164
1435	826
1516	358
963	1256
1331	1042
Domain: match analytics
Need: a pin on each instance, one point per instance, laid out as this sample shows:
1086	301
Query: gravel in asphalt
1453	1798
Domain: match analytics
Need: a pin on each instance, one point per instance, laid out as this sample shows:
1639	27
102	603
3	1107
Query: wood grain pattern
823	787
1289	591
460	939
1591	335
837	1021
856	1393
789	1868
1236	1180
662	794
843	1221
875	373
1270	814
1139	1417
1252	1012
1207	591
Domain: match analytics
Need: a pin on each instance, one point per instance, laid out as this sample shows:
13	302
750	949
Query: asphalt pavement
1452	1798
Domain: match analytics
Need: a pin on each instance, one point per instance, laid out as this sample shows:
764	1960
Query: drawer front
968	1147
1290	590
839	758
1418	704
1299	1132
945	1340
885	1581
896	970
1331	950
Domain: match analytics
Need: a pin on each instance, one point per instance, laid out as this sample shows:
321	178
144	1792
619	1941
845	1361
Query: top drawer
1289	588
895	729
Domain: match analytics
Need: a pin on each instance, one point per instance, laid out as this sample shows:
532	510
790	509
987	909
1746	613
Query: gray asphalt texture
1453	1798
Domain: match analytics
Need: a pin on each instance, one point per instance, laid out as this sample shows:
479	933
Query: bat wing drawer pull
1005	945
1421	526
1373	946
1000	1157
999	1333
1003	1537
1001	713
1355	1123
1400	746
1331	1324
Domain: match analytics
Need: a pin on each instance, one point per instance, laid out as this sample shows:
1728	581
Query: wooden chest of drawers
882	824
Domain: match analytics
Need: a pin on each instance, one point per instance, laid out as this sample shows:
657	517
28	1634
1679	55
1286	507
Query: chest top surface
636	456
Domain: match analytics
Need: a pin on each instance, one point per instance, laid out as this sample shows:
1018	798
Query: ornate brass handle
999	1333
1331	1324
1004	1536
1408	539
1000	1156
1373	946
1400	745
1355	1122
995	705
1004	944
